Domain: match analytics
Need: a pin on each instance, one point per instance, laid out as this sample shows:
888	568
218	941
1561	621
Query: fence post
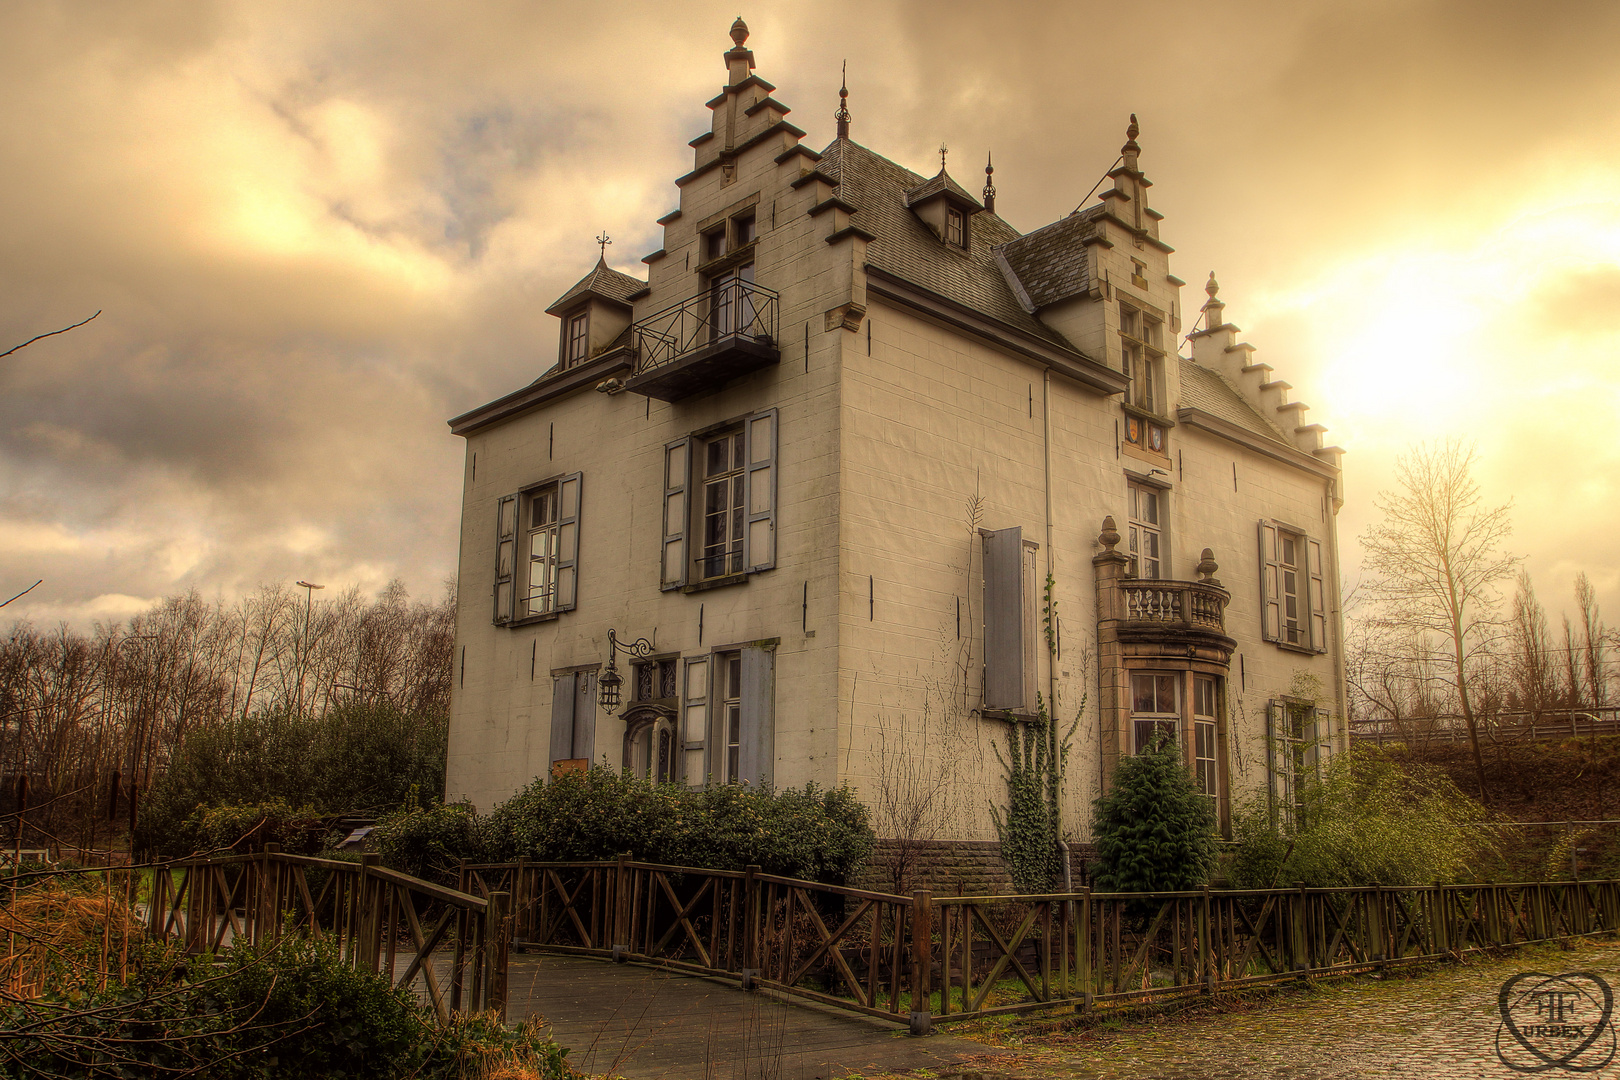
1442	924
750	914
619	938
922	933
522	903
368	914
1083	937
1205	969
497	915
1299	940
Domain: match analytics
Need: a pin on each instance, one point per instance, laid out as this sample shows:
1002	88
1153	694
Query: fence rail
923	958
1546	725
448	947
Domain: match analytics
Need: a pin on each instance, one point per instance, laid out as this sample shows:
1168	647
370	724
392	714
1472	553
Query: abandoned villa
875	476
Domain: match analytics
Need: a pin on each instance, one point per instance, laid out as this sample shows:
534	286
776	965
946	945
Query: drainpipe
1051	657
1331	491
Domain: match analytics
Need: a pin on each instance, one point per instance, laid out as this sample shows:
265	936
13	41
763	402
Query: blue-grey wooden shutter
1318	597
1276	762
570	490
562	718
584	727
1270	585
677	515
506	515
759	452
1004	619
756	753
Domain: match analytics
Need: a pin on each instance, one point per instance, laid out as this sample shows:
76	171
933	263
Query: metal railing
921	958
1547	724
734	309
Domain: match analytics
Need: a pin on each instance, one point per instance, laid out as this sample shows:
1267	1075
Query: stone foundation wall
955	867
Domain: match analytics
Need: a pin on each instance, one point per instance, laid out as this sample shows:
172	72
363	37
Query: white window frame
1142	359
1206	742
728	714
1146	722
576	338
959	219
1306	631
1297	746
553	546
1142	532
682	562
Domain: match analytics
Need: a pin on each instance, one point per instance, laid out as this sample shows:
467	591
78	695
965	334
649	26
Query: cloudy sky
317	230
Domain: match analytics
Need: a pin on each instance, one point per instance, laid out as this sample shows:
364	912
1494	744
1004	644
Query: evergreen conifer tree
1154	831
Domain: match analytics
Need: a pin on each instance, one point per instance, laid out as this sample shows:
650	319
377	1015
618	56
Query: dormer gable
945	208
595	313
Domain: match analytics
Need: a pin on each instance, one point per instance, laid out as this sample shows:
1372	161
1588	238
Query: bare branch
53	333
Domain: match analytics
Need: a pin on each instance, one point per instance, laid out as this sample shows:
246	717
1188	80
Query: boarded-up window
1004	659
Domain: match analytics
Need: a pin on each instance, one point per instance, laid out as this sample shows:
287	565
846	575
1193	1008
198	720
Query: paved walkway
630	1021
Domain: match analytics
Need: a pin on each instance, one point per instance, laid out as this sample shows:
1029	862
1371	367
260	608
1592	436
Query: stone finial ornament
989	184
1131	149
842	115
1212	287
739	33
1109	537
1206	567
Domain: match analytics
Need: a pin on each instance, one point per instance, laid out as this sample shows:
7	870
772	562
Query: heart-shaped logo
1555	1022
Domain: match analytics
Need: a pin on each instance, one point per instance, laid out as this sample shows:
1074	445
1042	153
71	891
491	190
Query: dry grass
54	933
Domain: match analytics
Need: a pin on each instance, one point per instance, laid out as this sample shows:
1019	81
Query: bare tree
1592	639
1435	563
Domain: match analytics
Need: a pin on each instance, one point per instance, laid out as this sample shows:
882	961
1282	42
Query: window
573	716
1142	359
731	303
744	228
1294	610
1297	744
714	244
653	681
1206	724
955	227
694	718
729	700
730	518
578	340
1145	531
1155	708
537	550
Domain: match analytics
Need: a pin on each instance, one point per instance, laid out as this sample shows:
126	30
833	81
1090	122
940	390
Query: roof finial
842	115
1130	149
603	240
739	61
942	157
989	183
739	32
1212	286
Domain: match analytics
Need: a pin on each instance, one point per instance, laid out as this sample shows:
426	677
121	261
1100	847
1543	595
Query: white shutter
506	514
677	474
1318	597
1270	585
1323	736
695	719
1004	619
756	757
759	452
583	733
562	719
569	492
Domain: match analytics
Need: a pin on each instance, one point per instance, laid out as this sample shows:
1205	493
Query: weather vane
941	157
604	240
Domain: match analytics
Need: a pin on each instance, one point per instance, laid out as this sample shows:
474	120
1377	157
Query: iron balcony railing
726	313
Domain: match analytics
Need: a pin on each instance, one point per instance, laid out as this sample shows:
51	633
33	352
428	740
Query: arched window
649	743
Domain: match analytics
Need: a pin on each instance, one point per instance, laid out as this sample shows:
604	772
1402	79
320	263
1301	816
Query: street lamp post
610	681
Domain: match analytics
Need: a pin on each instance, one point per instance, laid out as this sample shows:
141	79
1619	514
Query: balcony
1171	605
699	344
1150	617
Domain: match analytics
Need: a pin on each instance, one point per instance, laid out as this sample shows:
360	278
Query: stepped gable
1202	388
903	245
603	281
1051	264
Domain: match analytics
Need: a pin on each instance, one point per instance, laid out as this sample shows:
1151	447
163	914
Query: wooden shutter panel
759	453
1318	597
1323	734
1276	760
756	752
570	490
562	718
677	474
583	734
1270	586
506	515
1004	619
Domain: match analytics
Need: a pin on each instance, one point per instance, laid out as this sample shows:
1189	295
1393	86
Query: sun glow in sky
315	234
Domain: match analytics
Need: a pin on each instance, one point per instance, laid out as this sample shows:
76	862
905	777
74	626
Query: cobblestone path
1440	1021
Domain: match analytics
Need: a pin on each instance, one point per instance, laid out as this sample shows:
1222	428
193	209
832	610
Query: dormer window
955	227
577	342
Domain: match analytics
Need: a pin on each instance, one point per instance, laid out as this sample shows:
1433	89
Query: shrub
427	843
357	758
1154	831
821	835
1364	820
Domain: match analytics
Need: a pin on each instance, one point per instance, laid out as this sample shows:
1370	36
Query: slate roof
1209	391
941	182
1051	263
602	281
908	249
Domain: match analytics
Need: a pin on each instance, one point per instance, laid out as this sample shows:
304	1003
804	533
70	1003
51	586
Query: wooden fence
448	947
923	958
